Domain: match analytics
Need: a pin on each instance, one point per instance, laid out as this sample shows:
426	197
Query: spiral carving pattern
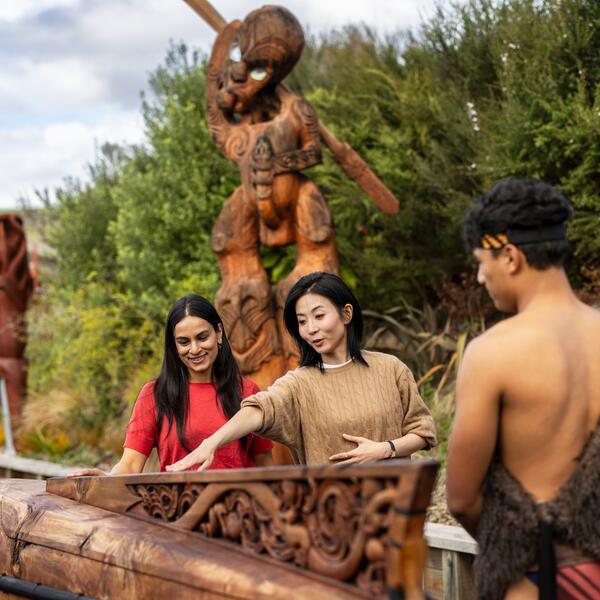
336	527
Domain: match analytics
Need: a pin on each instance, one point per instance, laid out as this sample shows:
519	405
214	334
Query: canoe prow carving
361	525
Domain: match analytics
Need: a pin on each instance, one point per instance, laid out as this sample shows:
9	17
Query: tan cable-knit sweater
309	410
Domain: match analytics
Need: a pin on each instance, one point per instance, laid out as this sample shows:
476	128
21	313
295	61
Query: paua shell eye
258	73
235	54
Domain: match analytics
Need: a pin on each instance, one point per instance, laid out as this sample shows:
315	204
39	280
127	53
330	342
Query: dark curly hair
521	205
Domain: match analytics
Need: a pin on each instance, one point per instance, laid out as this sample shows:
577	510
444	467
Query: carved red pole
16	286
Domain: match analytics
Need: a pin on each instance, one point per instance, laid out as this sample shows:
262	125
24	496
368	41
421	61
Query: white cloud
12	10
51	86
39	158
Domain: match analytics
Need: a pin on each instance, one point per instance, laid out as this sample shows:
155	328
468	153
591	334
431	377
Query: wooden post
458	575
448	574
9	447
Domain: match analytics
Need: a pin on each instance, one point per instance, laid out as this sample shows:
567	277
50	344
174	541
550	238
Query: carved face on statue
257	53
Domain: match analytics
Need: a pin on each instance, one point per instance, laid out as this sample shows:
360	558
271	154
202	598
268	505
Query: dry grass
49	430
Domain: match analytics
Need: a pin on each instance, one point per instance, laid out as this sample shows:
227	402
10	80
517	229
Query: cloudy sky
71	72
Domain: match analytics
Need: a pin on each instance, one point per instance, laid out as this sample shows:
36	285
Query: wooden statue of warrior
272	135
16	286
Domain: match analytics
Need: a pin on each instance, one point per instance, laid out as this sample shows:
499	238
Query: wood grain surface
57	542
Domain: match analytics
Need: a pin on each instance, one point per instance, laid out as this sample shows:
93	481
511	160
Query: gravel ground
438	510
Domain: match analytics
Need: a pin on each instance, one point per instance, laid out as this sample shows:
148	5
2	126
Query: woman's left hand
365	451
91	472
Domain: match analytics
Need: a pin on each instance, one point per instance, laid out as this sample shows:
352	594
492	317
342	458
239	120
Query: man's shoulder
509	344
490	348
591	312
504	333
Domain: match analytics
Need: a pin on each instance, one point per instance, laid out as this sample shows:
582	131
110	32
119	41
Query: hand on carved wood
88	473
203	455
365	451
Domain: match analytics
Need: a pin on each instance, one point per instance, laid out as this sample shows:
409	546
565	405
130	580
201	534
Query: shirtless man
528	406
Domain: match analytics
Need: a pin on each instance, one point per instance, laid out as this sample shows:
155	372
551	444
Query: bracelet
393	454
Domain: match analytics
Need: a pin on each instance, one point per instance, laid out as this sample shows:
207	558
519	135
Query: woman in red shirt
198	390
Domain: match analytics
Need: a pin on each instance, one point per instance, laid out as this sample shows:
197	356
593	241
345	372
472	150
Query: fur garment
509	527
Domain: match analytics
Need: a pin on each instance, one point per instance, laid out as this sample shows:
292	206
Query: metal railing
9	447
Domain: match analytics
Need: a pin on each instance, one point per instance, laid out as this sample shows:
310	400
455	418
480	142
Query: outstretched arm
474	434
132	462
273	412
246	420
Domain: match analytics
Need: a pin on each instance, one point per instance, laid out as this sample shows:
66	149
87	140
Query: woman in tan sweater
338	389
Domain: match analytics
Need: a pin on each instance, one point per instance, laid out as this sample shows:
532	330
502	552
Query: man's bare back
545	362
527	400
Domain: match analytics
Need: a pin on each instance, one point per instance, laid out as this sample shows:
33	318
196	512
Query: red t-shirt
205	416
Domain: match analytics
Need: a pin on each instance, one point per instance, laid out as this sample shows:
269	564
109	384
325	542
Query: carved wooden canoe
283	532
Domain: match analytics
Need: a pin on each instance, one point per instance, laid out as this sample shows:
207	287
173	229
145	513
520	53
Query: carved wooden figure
272	135
16	286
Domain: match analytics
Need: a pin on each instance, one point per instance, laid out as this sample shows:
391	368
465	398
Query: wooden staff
209	13
350	161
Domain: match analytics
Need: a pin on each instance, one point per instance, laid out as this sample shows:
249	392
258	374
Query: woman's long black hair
171	391
334	289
